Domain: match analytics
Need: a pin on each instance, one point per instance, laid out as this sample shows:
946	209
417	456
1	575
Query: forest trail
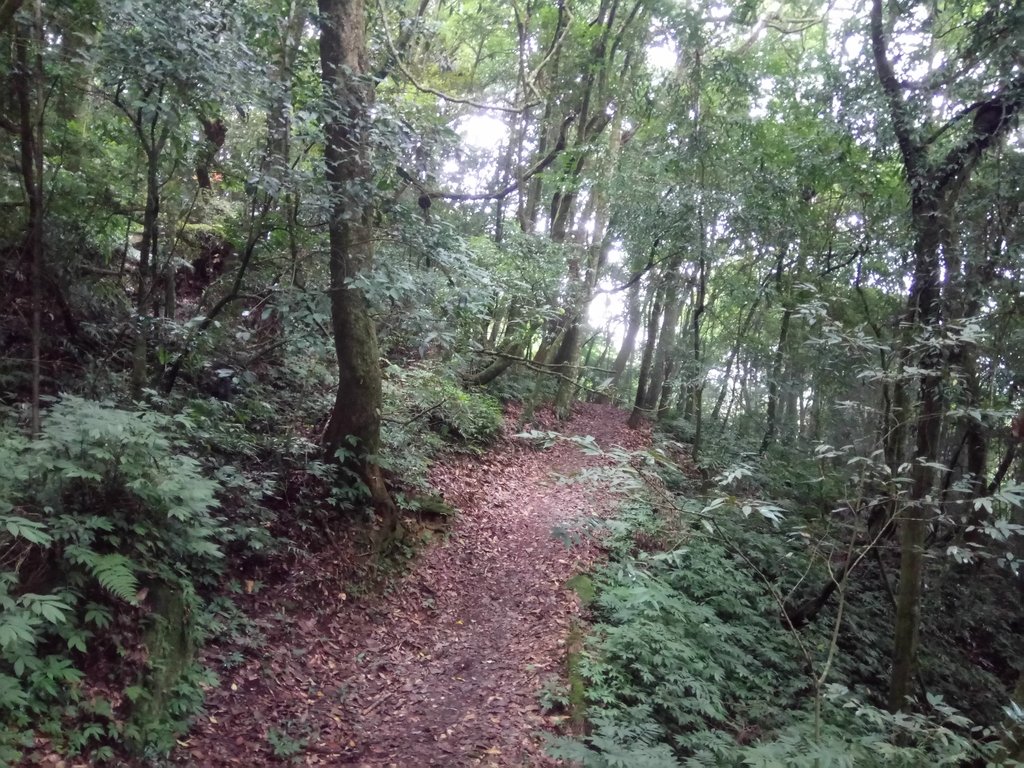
445	668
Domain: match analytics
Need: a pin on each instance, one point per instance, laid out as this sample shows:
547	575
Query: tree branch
254	239
898	112
417	416
993	119
565	18
1004	466
393	51
501	194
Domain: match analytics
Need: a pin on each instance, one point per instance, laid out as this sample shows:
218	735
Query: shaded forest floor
445	666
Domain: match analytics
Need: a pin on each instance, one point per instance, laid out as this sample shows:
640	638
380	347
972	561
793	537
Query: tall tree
28	85
935	176
354	426
613	51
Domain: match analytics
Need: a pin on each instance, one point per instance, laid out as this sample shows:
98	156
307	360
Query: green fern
108	498
115	574
687	664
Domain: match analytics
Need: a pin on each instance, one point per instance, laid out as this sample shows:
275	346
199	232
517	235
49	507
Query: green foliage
102	509
250	449
554	695
426	410
431	292
757	182
688	665
284	744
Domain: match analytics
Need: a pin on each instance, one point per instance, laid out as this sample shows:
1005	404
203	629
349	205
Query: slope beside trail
444	668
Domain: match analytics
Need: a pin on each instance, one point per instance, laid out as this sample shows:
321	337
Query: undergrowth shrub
687	664
426	410
100	512
256	456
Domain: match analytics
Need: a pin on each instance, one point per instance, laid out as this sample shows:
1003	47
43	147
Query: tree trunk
278	156
733	354
771	419
279	112
28	84
965	291
148	250
594	104
781	373
170	301
492	334
510	352
7	10
923	309
582	276
698	385
354	427
645	361
789	401
634	317
666	338
934	184
214	134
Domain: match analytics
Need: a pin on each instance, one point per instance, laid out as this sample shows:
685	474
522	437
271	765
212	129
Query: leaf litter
446	665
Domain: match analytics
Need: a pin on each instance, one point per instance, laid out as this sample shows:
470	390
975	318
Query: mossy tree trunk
170	644
353	433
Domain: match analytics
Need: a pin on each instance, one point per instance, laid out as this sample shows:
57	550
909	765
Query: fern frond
116	575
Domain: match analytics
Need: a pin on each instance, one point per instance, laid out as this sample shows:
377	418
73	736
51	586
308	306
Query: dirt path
446	668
